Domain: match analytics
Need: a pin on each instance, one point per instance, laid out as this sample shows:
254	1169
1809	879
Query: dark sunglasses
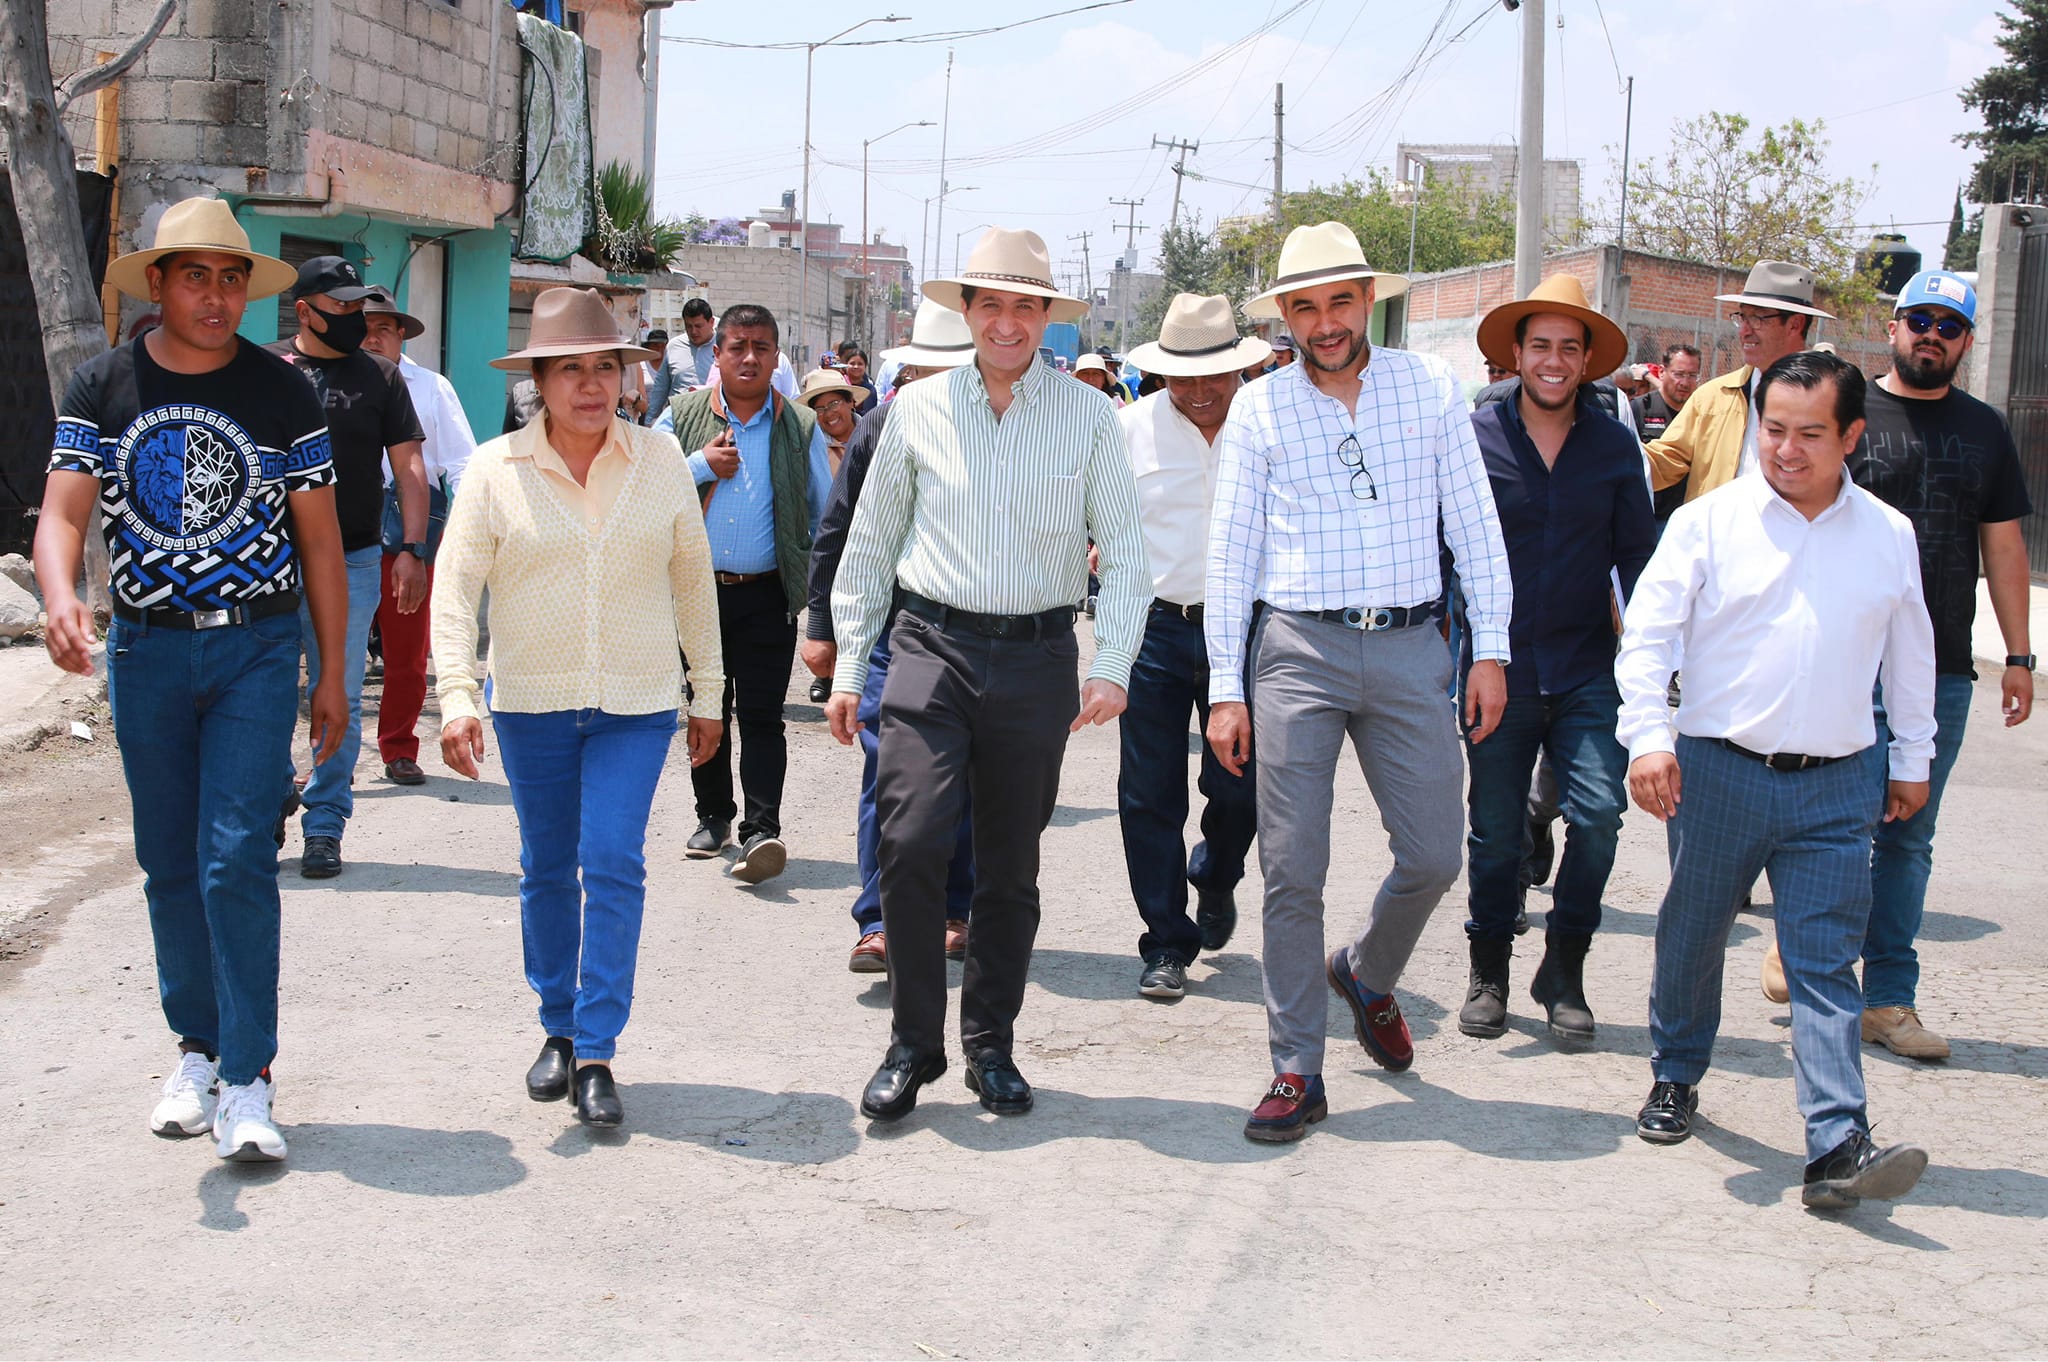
1948	328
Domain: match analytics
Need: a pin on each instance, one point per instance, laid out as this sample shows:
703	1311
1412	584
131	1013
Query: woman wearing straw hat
837	405
586	528
210	461
1094	371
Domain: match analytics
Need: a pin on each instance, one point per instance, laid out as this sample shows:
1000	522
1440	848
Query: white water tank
760	235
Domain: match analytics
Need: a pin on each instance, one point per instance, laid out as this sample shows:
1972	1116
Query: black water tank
1890	259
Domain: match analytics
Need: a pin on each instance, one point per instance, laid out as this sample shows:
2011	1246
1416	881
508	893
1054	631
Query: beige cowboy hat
571	321
200	225
1012	262
939	339
379	301
1090	364
818	382
1322	254
1198	337
1780	285
1563	295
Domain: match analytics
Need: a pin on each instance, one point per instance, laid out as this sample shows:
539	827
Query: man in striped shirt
975	519
1334	477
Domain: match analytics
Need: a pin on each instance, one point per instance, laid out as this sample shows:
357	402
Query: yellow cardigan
1702	446
578	620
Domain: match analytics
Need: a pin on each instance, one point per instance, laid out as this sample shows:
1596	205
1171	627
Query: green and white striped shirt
995	516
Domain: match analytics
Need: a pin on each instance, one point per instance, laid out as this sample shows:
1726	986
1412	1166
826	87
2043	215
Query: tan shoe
870	955
1774	976
1898	1030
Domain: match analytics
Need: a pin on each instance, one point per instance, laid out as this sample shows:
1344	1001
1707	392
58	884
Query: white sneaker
190	1095
242	1128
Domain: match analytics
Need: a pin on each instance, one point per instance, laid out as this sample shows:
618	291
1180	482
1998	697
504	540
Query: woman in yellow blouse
587	531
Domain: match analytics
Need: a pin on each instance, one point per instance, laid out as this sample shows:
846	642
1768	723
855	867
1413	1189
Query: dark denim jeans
867	905
582	784
1902	855
330	795
205	721
1576	729
1170	681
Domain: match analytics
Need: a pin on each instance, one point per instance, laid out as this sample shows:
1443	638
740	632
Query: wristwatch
2020	660
418	551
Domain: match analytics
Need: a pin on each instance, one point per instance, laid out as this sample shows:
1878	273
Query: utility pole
1087	281
1529	161
945	133
1180	168
1279	147
1132	227
1123	296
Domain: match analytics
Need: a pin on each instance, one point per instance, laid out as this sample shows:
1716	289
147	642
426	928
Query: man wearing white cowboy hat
1714	440
988	484
1574	513
1336	475
939	340
209	459
1172	440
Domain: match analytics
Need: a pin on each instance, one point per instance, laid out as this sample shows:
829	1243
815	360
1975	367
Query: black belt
162	617
1374	620
740	578
1191	613
990	626
1778	761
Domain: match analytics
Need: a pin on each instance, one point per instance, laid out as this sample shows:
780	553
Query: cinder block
383	44
143	101
180	59
252	104
227	19
164	143
379	133
234	146
401	134
242	60
203	101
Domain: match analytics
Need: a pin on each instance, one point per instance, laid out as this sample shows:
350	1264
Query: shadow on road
771	1127
379	877
1098	976
449	789
1955	927
388	1158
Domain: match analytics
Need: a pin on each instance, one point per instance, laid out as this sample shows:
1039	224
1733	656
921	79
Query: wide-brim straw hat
1780	285
1010	261
1090	364
939	339
1560	295
1198	337
200	225
379	302
820	381
1322	254
571	321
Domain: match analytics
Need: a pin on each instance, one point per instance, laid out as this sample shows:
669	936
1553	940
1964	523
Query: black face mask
345	330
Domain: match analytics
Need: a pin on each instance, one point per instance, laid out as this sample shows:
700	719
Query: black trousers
967	715
759	638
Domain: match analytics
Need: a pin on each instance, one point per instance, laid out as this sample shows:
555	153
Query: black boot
1560	985
1485	1012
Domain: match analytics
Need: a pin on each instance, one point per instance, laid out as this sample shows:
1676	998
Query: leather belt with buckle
1375	620
1041	625
165	617
739	578
1191	613
1778	761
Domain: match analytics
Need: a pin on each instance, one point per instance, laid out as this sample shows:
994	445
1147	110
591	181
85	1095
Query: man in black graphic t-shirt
369	416
209	460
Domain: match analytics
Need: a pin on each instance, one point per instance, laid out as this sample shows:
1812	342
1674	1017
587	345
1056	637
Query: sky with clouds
1051	120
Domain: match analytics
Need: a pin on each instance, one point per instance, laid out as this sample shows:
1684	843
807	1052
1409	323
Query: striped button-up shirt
994	516
1294	525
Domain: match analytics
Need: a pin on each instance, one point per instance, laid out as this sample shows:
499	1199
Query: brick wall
768	276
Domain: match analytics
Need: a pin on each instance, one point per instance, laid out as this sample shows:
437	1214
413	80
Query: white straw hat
1011	262
939	339
1322	254
1198	336
206	225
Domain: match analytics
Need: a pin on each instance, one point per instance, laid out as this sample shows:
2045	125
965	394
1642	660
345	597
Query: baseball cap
1939	288
331	275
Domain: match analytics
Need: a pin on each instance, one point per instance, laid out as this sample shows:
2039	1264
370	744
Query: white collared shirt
449	443
1176	470
1747	462
1784	624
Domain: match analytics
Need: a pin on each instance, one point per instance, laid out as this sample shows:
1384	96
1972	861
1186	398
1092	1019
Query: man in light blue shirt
687	362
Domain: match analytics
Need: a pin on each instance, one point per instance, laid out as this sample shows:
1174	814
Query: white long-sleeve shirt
449	444
1784	624
1175	466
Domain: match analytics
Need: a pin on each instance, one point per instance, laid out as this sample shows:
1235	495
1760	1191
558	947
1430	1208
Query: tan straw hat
200	225
939	339
1090	364
1780	285
1199	336
1322	254
379	301
818	382
1562	295
1010	262
571	321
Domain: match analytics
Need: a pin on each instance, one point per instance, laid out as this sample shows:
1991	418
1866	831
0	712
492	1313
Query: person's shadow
746	1123
389	1158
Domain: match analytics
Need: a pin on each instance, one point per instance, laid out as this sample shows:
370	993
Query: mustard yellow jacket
1702	446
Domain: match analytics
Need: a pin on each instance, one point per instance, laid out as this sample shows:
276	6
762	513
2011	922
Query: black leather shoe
1216	915
708	840
891	1094
994	1078
1163	977
321	860
1667	1117
548	1079
1856	1168
597	1099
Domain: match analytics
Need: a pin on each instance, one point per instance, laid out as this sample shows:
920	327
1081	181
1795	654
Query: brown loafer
956	939
1772	977
404	771
870	955
1899	1030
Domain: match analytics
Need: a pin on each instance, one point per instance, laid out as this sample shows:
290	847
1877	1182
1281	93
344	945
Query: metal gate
2027	402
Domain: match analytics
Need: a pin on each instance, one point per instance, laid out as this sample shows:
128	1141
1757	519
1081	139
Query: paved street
1493	1201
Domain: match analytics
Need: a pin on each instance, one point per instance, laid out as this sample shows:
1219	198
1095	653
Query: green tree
2012	99
1191	261
1959	251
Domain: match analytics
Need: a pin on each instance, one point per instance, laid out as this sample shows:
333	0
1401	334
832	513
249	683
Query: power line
950	36
1620	80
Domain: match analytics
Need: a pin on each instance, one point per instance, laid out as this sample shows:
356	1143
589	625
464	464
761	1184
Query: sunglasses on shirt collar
1948	328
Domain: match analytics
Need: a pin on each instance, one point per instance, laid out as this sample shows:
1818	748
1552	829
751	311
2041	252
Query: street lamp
866	283
925	263
956	241
803	240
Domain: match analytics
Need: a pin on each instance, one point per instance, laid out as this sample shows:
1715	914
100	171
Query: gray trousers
1313	682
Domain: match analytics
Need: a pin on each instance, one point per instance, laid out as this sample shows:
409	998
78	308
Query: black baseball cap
333	276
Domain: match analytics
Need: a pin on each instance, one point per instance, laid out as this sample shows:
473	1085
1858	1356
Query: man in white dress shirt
1171	436
1789	592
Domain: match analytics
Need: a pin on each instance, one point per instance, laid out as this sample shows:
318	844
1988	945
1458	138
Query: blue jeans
1902	856
205	721
582	784
867	906
1576	729
330	794
1170	681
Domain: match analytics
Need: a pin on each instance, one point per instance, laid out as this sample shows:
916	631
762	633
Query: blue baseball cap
1939	288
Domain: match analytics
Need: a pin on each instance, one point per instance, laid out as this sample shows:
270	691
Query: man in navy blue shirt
1573	498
